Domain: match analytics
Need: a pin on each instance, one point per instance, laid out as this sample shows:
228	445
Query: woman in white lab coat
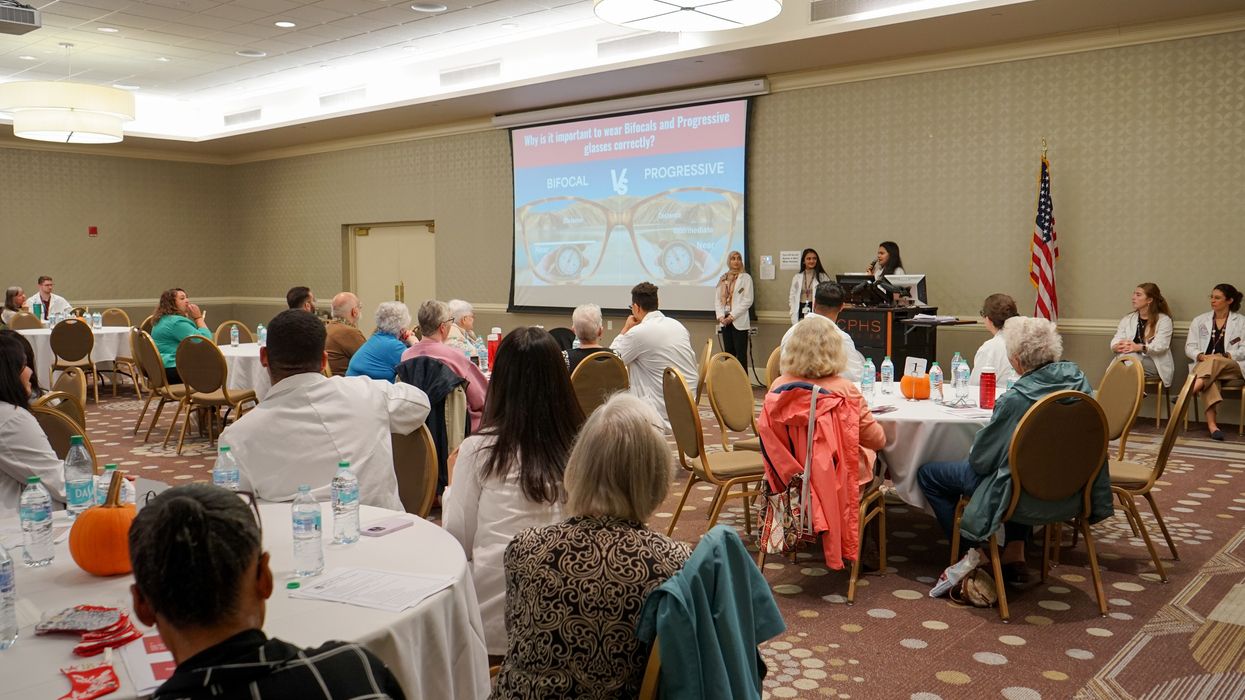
1216	350
804	285
1146	333
732	301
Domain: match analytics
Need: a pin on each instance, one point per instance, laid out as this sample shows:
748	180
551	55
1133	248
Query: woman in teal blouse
175	319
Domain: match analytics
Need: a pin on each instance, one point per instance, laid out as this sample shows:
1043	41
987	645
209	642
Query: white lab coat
484	515
57	305
992	353
1233	339
648	349
1158	348
308	423
25	451
741	301
793	296
855	361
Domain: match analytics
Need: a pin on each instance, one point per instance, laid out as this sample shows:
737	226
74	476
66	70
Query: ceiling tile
271	6
311	14
188	5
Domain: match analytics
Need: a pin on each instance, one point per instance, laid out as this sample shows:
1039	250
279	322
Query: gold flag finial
1043	146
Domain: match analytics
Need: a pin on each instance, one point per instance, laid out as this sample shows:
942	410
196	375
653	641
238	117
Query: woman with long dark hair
888	261
804	285
174	319
508	476
1146	333
24	449
1216	349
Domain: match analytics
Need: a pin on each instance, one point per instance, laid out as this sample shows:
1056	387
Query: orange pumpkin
99	540
915	386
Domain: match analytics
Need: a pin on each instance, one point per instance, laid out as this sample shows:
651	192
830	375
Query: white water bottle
226	473
8	600
868	379
36	517
261	334
97	320
935	383
233	336
345	489
308	540
956	361
959	381
888	375
79	478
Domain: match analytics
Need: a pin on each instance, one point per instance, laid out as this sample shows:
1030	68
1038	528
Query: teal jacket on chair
709	619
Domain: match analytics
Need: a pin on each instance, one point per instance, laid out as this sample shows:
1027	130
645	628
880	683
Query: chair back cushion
1059	447
1174	424
59	428
73	382
564	336
1120	394
148	324
771	366
148	357
200	365
116	318
684	419
415	465
68	404
72	340
24	321
730	392
596	377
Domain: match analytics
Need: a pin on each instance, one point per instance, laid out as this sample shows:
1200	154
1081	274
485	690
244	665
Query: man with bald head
344	338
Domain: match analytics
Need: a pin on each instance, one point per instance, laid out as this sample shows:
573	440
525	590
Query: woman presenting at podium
804	285
888	261
733	299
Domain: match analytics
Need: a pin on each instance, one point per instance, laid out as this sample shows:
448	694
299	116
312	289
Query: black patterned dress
573	595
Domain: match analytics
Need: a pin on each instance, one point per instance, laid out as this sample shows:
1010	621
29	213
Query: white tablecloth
919	432
245	371
110	341
435	649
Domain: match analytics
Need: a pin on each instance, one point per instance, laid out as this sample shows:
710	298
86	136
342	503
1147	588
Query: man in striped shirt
203	579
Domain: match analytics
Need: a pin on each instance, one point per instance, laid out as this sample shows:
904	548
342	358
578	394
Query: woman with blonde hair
731	304
1146	333
574	590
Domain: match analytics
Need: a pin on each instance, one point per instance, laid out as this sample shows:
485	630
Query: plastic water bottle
261	334
868	379
345	489
959	381
956	361
233	336
36	516
888	375
308	541
97	320
482	354
935	383
8	600
102	482
79	478
226	472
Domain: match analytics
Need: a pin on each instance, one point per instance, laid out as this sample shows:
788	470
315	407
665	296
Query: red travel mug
986	399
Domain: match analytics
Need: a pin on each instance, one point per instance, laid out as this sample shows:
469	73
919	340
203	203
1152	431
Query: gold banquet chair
725	470
221	336
415	465
25	321
1120	395
1058	449
596	377
203	371
118	318
772	367
67	404
148	324
59	428
115	318
730	398
702	368
152	369
72	342
73	382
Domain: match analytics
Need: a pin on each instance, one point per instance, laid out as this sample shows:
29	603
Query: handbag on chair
787	518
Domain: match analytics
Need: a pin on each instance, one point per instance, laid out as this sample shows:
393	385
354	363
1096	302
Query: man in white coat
49	303
828	302
309	422
648	343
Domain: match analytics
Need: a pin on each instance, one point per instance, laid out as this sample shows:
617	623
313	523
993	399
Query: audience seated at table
434	325
202	579
508	477
828	303
1034	349
380	354
462	334
49	303
574	590
309	422
24	449
175	319
1216	350
14	303
588	327
651	341
814	356
1146	333
995	311
301	298
344	337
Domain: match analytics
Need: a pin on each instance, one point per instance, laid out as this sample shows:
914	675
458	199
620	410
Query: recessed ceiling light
123	86
429	7
251	53
107	30
510	25
27	58
285	24
162	59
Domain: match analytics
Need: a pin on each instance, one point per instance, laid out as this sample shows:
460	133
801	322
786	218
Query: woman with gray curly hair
378	357
1035	351
462	334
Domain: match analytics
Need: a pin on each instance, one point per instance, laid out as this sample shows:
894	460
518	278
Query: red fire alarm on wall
92	231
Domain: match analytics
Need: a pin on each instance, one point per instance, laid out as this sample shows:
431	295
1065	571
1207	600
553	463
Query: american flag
1044	251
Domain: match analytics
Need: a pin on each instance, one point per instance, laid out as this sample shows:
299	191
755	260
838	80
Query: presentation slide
603	204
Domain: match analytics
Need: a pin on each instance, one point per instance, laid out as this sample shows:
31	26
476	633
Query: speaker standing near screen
731	304
804	285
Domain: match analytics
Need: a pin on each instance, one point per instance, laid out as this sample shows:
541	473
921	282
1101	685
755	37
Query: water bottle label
80	492
37	513
348	496
7	582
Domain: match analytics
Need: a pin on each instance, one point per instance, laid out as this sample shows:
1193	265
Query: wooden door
393	263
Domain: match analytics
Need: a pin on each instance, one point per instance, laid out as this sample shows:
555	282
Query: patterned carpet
1185	638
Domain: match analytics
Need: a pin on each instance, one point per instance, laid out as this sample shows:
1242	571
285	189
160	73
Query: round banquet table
245	371
922	431
435	649
110	342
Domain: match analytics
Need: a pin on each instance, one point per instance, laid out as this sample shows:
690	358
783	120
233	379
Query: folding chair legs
955	530
1093	566
674	519
872	507
173	425
1154	508
155	418
997	564
143	414
1130	507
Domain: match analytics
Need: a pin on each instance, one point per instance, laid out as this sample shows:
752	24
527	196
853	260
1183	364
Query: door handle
402	288
396	293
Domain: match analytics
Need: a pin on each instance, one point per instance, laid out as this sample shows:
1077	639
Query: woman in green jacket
174	319
1034	349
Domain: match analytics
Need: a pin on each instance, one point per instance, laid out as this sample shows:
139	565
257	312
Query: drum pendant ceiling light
687	15
66	112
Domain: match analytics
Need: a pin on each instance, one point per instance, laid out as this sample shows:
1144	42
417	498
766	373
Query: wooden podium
879	331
